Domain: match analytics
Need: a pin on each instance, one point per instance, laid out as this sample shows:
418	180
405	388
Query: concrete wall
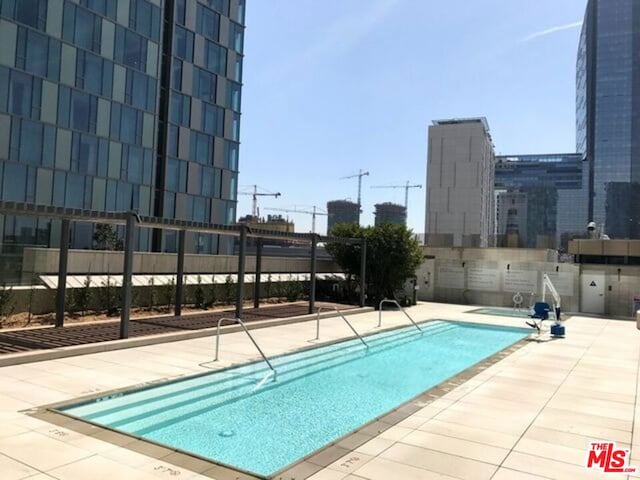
622	283
40	261
492	276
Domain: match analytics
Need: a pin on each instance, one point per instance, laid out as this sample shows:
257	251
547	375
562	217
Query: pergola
132	221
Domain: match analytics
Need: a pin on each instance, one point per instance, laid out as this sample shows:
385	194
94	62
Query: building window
215	58
176	179
180	109
25	93
103	7
208	182
183	44
201	150
81	27
233	96
140	91
38	54
77	110
221	6
126	124
130	49
237	69
132	164
176	74
235	127
204	85
32	142
236	37
181	11
19	182
29	12
231	155
212	120
84	154
94	74
240	12
144	18
208	23
173	140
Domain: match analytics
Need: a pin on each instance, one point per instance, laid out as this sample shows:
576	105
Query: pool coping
301	469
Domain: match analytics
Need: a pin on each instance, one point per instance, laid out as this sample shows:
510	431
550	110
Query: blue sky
332	86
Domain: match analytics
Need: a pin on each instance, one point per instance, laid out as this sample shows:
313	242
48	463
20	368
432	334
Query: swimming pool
235	418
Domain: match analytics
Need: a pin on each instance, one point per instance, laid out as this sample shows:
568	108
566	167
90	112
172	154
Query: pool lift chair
541	310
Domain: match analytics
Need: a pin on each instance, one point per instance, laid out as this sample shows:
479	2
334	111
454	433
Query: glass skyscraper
115	105
608	112
552	190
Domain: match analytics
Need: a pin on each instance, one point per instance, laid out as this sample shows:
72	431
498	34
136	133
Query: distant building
460	183
556	191
390	213
275	223
608	113
342	211
511	219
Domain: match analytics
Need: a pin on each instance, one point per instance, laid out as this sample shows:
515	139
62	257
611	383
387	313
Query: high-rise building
342	211
608	112
555	185
390	213
460	183
117	105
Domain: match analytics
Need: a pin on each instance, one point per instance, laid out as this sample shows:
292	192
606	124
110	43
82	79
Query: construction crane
314	212
360	174
255	194
406	187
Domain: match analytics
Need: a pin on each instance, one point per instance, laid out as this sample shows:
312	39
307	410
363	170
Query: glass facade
90	119
608	112
551	191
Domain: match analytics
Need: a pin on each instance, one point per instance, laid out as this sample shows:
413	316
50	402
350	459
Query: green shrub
213	292
168	293
108	296
7	303
229	291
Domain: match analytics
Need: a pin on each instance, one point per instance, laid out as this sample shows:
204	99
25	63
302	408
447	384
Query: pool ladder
244	327
394	302
343	318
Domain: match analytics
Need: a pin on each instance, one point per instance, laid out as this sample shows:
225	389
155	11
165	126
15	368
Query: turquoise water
320	395
503	312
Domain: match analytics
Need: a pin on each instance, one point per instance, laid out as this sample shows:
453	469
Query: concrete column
61	292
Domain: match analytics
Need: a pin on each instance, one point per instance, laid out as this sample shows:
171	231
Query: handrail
241	323
343	318
394	302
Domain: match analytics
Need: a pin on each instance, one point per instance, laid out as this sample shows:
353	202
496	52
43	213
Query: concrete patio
530	415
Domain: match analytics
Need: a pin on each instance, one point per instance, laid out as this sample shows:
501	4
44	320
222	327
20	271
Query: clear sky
332	86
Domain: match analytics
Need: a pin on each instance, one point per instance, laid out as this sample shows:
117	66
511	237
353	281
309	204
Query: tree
105	238
393	255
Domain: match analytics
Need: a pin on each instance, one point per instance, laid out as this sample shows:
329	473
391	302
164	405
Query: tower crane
360	174
406	187
314	213
255	194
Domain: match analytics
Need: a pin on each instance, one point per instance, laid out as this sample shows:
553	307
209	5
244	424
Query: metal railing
241	323
343	318
394	302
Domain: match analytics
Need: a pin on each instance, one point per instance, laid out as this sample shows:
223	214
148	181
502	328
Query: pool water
503	312
236	418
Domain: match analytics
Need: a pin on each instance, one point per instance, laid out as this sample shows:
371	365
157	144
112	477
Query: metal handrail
241	323
343	318
394	302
